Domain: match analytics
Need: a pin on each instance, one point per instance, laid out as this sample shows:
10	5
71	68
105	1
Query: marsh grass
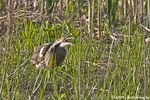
107	69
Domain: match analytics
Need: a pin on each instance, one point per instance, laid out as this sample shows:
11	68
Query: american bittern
50	54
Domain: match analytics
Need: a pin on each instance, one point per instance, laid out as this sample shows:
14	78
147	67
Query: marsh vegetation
110	58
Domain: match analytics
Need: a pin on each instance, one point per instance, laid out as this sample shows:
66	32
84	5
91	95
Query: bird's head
62	42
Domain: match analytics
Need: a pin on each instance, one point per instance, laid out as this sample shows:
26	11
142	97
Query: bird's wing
60	55
39	53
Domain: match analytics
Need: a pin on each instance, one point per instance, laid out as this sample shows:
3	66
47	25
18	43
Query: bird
50	54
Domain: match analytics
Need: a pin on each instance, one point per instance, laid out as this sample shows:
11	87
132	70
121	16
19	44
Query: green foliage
148	13
112	9
71	10
108	68
51	5
121	76
109	11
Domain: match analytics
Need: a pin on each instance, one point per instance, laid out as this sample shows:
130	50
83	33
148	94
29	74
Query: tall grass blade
109	7
148	13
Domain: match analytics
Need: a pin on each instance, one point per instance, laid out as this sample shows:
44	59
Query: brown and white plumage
50	54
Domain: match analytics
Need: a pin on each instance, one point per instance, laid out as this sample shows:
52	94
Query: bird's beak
63	44
66	42
69	38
